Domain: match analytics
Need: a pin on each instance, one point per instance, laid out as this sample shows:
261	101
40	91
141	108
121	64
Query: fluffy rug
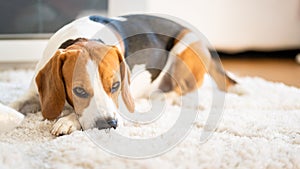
260	128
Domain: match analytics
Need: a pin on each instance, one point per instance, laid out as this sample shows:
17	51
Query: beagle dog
87	64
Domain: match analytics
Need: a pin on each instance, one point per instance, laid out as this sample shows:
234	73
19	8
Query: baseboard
285	54
21	50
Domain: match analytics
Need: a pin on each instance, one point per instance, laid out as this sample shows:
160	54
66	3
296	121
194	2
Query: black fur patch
70	42
100	19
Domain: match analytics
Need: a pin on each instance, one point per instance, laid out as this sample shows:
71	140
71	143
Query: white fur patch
140	84
119	18
187	39
108	37
101	105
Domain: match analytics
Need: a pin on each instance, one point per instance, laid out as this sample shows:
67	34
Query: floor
276	70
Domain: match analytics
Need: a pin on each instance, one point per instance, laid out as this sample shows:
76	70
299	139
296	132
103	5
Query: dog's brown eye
80	92
115	87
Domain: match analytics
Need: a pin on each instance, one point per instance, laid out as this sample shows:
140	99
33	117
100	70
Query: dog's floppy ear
51	87
125	80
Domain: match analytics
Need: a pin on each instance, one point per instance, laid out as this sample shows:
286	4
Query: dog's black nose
113	123
106	123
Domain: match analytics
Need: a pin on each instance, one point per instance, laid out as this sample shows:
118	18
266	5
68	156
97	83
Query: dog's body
83	68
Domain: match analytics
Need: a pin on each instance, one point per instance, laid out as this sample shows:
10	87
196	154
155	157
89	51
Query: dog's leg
185	74
28	103
67	123
223	81
191	60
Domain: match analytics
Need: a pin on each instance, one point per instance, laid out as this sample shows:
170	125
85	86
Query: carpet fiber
260	128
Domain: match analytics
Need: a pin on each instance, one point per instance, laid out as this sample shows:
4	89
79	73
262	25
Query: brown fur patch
189	69
108	68
51	87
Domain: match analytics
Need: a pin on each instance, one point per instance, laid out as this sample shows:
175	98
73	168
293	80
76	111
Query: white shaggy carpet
259	129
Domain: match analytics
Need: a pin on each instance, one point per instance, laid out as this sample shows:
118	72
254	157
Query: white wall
230	25
235	25
123	7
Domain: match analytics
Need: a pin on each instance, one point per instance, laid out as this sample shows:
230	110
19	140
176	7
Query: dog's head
89	75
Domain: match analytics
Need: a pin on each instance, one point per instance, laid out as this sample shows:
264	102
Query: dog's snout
106	123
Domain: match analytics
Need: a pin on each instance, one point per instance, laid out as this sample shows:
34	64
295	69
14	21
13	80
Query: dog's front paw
65	125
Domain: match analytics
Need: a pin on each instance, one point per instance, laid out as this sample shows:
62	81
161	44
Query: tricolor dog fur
86	66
